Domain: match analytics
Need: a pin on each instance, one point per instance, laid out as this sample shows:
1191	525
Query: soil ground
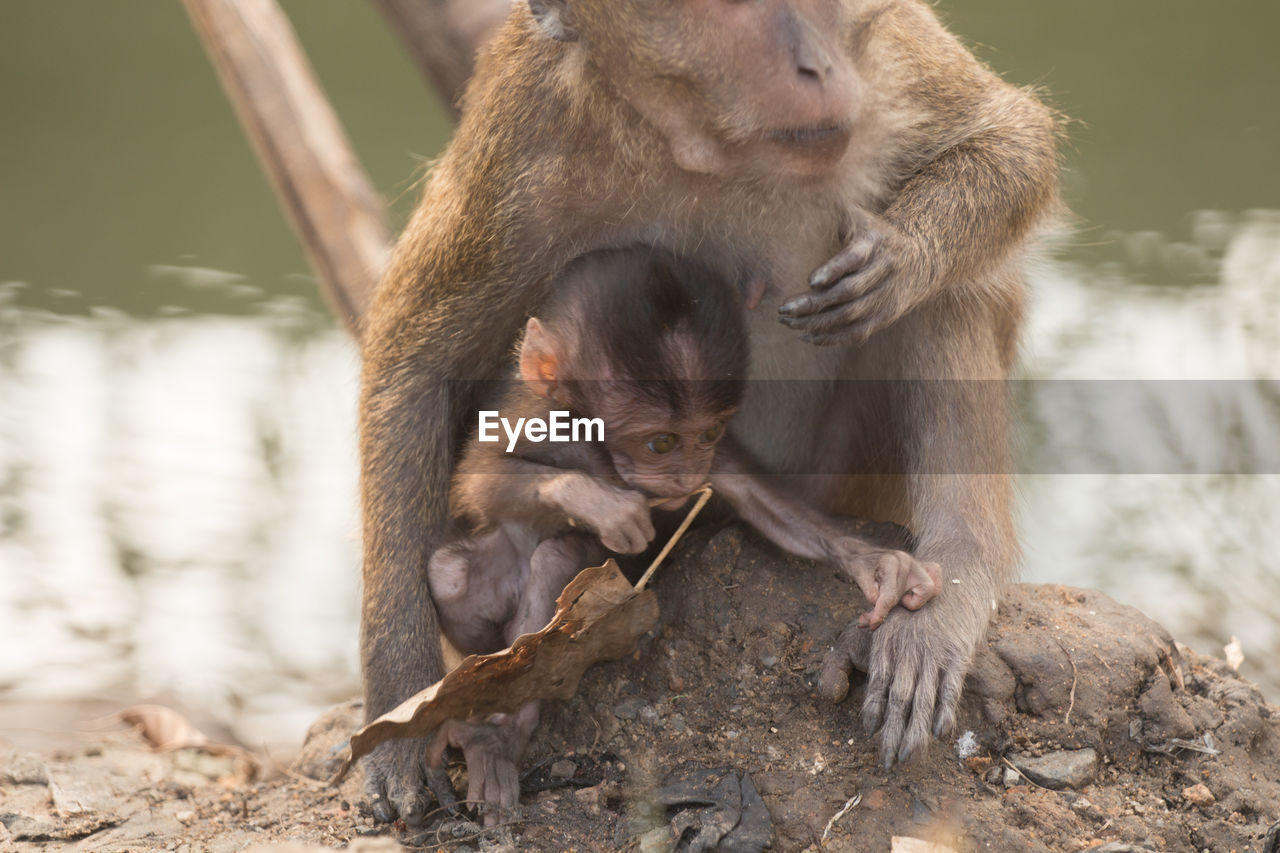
1125	741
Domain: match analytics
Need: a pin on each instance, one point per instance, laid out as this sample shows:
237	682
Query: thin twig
1066	721
850	803
599	732
704	494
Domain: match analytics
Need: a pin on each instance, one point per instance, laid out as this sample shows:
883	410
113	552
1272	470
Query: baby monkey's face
663	455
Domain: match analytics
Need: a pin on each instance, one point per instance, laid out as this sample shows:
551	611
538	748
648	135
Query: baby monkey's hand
888	578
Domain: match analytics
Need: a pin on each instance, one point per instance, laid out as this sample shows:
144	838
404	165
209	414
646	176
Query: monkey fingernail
803	305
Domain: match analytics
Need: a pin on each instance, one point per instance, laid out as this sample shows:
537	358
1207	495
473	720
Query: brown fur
568	146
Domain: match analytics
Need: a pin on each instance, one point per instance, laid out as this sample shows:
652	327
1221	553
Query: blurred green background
118	151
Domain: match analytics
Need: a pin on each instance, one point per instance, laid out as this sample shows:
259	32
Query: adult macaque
654	350
884	183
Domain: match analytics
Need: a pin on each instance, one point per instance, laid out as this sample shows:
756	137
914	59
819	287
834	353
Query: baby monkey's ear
539	361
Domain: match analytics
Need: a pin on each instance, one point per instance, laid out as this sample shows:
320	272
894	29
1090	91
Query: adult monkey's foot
916	665
398	779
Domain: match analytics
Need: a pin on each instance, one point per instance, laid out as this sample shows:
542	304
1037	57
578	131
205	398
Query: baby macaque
643	356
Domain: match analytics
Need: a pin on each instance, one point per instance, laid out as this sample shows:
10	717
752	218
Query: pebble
1198	795
23	769
590	797
1063	769
563	769
628	708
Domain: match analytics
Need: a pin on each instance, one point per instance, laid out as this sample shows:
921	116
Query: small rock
23	769
1057	770
324	748
1163	716
676	684
1013	777
26	828
563	769
1198	795
185	816
676	723
590	797
656	840
628	708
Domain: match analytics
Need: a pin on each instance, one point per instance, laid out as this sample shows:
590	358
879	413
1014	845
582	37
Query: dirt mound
1084	726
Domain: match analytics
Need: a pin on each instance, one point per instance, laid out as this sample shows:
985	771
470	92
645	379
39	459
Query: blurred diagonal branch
330	202
443	36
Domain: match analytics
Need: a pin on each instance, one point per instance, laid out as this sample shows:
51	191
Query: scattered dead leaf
164	728
599	616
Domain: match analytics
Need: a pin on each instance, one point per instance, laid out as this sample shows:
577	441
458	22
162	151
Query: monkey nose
812	68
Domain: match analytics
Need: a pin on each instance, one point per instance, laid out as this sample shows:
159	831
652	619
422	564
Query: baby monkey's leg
493	748
476	584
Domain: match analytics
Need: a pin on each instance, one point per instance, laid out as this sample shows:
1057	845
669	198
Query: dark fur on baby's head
670	327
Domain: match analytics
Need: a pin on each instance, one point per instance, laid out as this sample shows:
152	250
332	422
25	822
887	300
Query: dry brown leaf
599	616
166	731
163	728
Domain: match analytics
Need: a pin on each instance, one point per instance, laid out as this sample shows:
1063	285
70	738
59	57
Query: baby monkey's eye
664	443
713	433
